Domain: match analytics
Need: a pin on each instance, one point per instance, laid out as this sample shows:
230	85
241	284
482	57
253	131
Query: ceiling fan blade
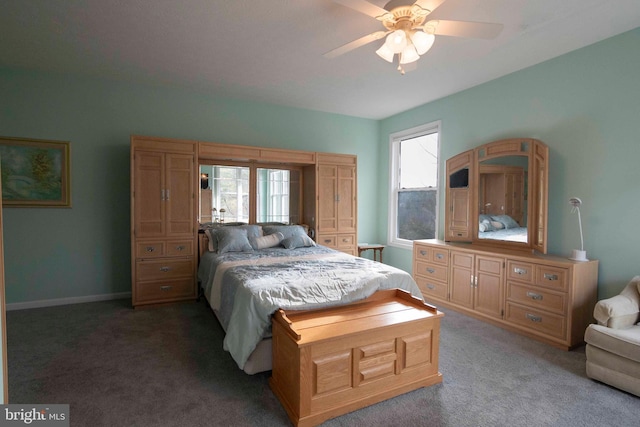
429	5
356	44
363	6
478	30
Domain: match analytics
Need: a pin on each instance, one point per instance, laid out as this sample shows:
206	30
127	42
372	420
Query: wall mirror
496	195
249	193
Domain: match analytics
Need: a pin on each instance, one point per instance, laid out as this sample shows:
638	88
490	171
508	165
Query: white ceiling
272	51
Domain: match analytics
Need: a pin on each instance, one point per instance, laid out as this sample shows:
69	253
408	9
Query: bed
501	227
247	272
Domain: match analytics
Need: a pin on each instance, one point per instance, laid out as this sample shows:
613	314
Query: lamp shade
385	53
396	41
422	41
409	55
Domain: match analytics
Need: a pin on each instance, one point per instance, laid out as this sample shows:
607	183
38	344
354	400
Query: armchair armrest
622	310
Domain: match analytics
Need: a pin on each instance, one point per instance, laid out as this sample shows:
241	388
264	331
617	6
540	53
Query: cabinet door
149	212
459	220
459	178
327	197
462	280
179	195
514	196
346	199
489	289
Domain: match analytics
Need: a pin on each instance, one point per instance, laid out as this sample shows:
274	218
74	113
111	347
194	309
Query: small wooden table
377	249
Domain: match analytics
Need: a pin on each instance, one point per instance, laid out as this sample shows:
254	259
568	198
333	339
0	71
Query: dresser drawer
537	320
165	290
179	248
329	240
430	254
346	241
433	288
432	271
150	249
552	277
520	271
536	297
164	269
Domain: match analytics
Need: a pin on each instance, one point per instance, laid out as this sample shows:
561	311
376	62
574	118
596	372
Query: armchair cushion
622	310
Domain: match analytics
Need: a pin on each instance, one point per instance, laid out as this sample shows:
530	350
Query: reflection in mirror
224	194
278	196
502	198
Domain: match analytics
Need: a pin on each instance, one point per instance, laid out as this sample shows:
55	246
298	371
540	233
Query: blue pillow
286	230
506	220
233	239
298	241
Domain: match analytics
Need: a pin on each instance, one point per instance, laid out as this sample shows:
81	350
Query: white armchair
613	344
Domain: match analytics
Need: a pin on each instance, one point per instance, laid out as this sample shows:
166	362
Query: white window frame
394	179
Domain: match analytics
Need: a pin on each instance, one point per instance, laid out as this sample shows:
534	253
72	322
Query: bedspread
247	288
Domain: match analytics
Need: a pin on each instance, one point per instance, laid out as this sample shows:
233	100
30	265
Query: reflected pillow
233	239
485	225
497	225
506	220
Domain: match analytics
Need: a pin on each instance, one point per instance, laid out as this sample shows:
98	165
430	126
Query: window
413	207
273	195
244	192
230	192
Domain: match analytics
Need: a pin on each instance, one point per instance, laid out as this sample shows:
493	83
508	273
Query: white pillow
268	241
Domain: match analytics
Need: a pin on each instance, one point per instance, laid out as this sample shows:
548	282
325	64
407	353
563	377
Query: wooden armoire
163	220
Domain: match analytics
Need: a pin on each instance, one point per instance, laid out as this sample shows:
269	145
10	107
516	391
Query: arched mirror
497	195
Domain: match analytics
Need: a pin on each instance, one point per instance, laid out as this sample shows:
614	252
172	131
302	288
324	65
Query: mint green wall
586	106
84	251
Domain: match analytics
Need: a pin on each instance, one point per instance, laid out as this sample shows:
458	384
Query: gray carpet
165	366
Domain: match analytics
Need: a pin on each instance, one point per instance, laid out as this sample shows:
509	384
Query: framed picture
35	173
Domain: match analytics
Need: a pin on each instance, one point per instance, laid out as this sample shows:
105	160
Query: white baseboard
65	301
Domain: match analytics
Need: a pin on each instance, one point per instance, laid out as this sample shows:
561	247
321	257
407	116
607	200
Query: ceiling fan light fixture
396	41
422	41
409	55
385	53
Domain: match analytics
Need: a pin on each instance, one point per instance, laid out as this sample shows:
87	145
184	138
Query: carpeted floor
165	366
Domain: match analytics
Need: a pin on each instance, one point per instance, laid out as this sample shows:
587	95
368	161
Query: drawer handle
430	286
345	240
166	288
439	256
150	249
534	296
534	318
327	240
423	252
180	248
549	276
430	270
165	269
519	271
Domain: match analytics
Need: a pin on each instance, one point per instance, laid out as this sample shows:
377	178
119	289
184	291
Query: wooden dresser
163	220
332	361
544	297
336	202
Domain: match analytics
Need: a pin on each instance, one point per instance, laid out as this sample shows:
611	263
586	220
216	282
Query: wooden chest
332	361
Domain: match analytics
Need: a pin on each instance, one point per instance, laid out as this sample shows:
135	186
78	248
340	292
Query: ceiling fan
407	34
